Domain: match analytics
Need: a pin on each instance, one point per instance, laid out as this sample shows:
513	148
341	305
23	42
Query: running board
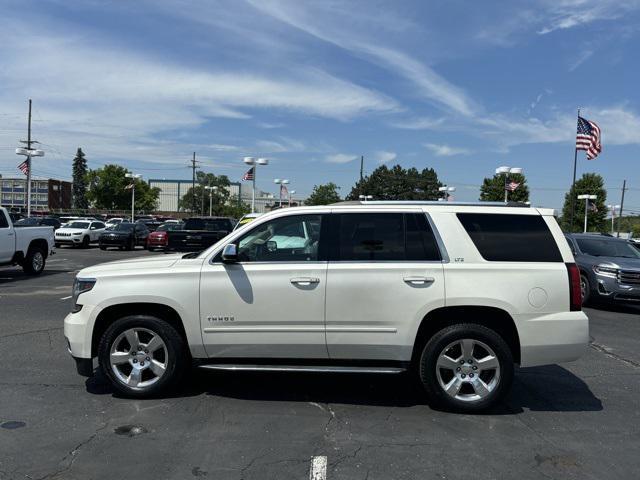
300	368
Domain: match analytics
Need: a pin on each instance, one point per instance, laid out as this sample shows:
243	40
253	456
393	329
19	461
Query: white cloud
565	14
382	156
282	145
341	158
330	23
618	126
422	123
446	150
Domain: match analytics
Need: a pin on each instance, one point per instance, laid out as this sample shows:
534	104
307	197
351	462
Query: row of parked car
191	234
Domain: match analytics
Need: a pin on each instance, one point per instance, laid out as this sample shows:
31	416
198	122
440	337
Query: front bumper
608	288
552	338
113	242
69	240
78	328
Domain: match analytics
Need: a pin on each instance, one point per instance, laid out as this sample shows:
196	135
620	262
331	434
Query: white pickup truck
28	247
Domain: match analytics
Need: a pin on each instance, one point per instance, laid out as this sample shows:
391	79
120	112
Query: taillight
575	296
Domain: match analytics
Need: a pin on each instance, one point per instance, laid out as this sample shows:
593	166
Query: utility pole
573	183
361	166
193	183
29	152
624	188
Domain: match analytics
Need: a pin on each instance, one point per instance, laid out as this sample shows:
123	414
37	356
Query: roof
433	203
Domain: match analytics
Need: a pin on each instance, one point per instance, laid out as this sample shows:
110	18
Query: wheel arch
494	318
40	243
112	313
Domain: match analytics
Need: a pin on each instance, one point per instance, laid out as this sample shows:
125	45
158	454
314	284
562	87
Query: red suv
158	238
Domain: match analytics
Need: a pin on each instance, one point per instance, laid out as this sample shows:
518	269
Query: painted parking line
318	470
66	298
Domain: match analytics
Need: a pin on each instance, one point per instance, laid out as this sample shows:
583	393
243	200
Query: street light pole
586	199
291	192
446	191
281	182
211	189
29	153
613	209
254	163
133	177
506	171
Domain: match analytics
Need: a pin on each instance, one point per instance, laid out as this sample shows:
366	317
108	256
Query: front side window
286	239
3	221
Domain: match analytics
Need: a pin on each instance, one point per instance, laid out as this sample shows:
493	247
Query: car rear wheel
34	262
85	242
142	356
466	367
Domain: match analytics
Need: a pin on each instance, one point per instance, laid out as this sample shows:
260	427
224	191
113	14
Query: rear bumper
553	338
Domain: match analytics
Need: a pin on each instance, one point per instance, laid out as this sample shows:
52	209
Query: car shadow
16	275
546	389
615	307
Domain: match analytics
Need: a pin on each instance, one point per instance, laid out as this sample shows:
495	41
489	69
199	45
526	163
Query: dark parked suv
609	268
125	235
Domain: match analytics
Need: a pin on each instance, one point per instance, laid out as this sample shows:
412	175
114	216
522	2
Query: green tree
592	184
397	183
80	181
324	194
107	190
222	203
492	189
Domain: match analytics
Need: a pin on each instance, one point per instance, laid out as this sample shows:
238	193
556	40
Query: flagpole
572	192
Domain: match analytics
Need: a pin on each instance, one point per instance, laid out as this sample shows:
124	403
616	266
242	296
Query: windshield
169	226
208	224
81	225
123	227
26	221
599	247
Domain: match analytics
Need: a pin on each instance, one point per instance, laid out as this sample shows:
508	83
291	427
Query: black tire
177	357
34	262
85	242
57	245
131	245
585	289
428	372
102	247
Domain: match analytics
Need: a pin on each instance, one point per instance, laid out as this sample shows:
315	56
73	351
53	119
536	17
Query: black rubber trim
84	366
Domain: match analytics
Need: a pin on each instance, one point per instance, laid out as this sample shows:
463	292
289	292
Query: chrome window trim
443	250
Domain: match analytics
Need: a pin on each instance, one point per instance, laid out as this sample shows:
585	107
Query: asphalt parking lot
579	420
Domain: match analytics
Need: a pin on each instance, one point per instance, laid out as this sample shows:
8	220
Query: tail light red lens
575	296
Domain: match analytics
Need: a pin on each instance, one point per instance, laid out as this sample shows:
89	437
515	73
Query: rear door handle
419	280
304	280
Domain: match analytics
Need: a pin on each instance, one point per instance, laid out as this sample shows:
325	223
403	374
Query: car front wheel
142	355
466	367
585	289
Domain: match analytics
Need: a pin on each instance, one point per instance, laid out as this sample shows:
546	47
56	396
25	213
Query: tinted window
600	247
511	238
52	222
23	222
123	227
208	224
4	223
286	239
420	241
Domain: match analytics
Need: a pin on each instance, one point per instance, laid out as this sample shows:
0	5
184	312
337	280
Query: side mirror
230	253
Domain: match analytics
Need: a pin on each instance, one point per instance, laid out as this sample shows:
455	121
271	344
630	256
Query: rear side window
511	238
3	221
385	237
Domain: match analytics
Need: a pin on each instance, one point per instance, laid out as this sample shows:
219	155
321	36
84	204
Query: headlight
77	233
606	270
81	285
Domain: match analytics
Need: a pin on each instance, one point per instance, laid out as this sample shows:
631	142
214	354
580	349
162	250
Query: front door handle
304	280
419	280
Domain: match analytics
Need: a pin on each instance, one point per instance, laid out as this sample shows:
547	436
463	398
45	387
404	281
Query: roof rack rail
433	202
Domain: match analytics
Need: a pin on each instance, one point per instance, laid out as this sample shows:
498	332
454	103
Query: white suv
81	232
455	293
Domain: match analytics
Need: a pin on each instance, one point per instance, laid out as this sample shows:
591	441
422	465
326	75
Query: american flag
588	138
283	190
24	167
511	186
249	175
129	187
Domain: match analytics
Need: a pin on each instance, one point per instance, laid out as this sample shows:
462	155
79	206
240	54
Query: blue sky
459	86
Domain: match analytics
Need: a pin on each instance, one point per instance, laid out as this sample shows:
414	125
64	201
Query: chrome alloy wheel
468	370
37	261
583	287
139	357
